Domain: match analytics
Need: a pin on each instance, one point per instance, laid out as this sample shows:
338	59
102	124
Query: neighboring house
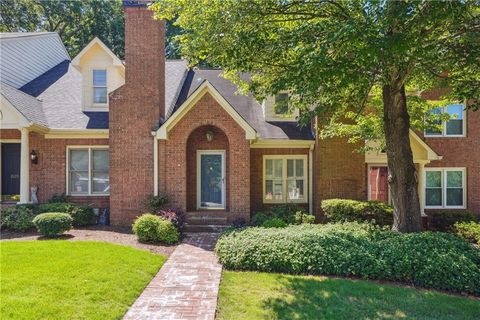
109	133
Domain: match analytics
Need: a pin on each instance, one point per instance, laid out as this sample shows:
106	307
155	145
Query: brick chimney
135	111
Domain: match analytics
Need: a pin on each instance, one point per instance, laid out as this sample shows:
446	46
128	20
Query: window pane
454	127
433	197
434	179
99	77
101	182
79	182
100	160
290	170
454	179
278	190
299	168
434	125
79	160
100	95
295	189
455	111
281	103
268	189
454	197
278	168
269	168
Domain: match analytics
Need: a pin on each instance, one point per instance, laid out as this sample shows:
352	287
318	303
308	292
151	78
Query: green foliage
17	218
58	197
339	210
288	213
156	203
82	215
435	260
51	224
274	223
303	217
152	228
445	220
469	231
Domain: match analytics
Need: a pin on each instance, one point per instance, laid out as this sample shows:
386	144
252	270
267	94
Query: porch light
34	157
209	135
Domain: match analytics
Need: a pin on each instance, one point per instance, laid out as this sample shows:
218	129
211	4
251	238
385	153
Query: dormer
278	108
102	72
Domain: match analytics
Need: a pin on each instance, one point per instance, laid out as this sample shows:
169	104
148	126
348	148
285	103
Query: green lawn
250	295
57	279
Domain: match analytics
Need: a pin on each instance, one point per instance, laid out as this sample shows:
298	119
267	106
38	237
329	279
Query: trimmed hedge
52	224
151	228
17	218
435	260
81	215
469	231
445	220
340	210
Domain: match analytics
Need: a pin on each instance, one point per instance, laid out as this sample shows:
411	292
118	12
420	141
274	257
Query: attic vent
199	79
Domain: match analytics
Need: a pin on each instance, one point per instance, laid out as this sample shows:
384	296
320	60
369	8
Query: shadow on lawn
326	298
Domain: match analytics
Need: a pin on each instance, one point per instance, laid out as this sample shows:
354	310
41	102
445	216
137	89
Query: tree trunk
402	179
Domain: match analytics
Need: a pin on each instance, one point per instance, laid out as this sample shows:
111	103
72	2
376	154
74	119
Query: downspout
155	164
310	180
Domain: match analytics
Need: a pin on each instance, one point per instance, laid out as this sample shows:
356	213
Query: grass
57	279
250	295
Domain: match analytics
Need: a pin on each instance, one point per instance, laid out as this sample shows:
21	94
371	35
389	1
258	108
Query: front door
10	168
378	177
211	179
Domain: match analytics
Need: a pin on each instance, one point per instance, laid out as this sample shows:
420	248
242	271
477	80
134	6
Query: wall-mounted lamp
209	135
34	157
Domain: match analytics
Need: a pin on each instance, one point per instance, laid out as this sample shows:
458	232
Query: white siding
23	59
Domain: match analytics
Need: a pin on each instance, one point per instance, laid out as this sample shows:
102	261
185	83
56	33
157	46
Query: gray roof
175	73
28	106
247	106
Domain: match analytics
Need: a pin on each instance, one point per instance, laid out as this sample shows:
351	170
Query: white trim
67	173
24	166
310	180
282	143
10	140
444	171
306	179
444	125
116	61
155	165
77	134
205	87
199	178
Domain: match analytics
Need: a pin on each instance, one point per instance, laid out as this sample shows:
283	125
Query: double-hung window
445	188
99	86
88	171
281	103
453	127
285	179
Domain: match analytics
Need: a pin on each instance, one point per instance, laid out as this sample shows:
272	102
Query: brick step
212	213
204	227
206	220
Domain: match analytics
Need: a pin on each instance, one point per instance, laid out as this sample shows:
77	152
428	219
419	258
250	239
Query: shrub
17	218
52	224
81	215
302	217
289	213
444	220
274	223
239	223
340	210
175	215
435	260
156	203
152	228
469	231
259	218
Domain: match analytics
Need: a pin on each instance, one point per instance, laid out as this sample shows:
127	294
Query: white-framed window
454	127
100	86
281	103
445	188
88	170
285	179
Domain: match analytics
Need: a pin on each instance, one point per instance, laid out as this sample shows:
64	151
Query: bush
302	217
289	213
340	210
81	215
152	228
239	223
435	260
156	203
274	223
17	218
175	215
444	220
52	224
469	231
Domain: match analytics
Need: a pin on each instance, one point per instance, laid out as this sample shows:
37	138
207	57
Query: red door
379	184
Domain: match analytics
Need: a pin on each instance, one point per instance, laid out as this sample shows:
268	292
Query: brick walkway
186	287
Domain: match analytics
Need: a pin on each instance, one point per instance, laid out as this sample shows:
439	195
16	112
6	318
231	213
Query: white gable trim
432	155
116	61
205	87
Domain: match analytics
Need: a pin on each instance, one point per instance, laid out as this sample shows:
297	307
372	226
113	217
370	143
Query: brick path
186	287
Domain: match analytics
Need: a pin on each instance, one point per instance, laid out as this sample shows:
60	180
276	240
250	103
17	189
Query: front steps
206	221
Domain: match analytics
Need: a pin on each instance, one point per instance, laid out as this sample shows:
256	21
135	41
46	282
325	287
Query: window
454	127
88	171
285	179
445	188
281	103
99	86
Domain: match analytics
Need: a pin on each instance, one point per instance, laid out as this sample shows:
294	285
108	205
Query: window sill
285	202
445	208
96	108
89	195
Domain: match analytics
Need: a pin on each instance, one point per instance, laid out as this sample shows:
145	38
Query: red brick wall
9	134
135	111
173	157
256	175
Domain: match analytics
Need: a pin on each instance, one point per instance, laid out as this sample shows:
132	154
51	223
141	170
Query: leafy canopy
336	55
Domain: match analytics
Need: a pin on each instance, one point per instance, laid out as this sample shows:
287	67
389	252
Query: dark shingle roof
42	82
28	106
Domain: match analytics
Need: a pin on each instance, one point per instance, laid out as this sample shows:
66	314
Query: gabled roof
431	155
97	41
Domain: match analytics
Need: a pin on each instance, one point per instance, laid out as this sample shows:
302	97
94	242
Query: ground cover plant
252	295
55	279
428	259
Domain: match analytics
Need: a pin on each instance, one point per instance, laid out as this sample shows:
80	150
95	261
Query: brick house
109	133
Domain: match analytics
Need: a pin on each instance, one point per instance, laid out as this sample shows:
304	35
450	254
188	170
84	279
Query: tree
343	57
